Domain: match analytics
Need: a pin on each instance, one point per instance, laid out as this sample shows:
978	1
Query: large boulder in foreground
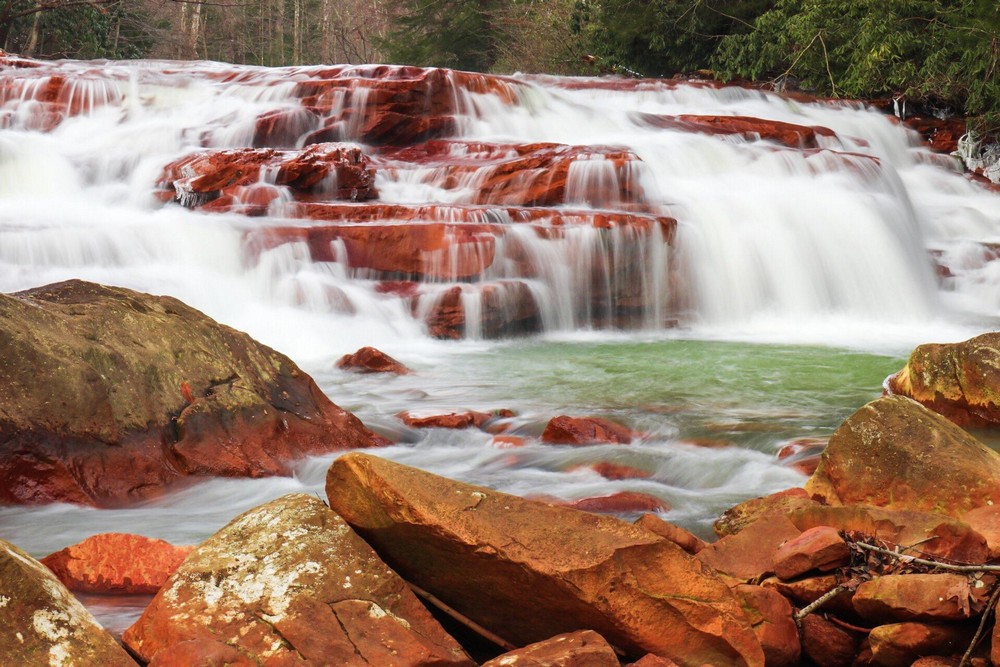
290	583
527	571
116	563
107	395
895	453
958	380
43	624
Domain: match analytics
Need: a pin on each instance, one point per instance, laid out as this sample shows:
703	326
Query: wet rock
230	176
584	648
936	534
483	553
786	134
650	660
986	521
803	454
565	430
203	653
900	644
684	539
807	590
43	624
914	597
622	502
826	644
771	618
749	554
109	395
116	563
371	360
740	516
453	420
617	471
896	453
289	582
820	548
508	441
958	380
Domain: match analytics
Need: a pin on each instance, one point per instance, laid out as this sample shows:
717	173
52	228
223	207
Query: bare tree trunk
324	23
296	32
36	27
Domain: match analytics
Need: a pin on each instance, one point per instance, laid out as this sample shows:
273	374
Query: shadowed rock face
897	454
43	624
108	395
485	554
289	583
960	380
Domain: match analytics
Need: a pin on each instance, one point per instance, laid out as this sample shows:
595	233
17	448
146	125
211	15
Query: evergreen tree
461	34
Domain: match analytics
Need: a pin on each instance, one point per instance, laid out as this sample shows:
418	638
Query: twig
826	59
932	563
982	625
463	619
820	601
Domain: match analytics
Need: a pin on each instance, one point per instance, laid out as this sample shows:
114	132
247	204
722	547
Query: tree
460	34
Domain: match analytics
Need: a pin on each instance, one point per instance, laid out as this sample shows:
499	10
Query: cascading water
597	213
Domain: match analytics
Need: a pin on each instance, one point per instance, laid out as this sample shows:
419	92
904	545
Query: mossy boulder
958	380
897	454
108	395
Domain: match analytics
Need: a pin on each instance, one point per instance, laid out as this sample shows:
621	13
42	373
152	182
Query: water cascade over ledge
671	254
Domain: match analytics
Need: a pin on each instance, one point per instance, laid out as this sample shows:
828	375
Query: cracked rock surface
289	583
527	571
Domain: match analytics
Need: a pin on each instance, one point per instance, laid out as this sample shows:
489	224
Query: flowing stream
807	276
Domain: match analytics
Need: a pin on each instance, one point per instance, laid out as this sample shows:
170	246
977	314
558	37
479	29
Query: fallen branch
982	626
931	563
822	600
463	619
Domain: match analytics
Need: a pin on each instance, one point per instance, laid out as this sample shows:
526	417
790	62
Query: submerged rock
371	360
109	395
527	571
290	583
565	430
43	624
895	453
959	380
116	563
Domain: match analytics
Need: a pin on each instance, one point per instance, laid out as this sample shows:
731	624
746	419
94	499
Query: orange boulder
915	597
584	648
371	360
820	548
565	430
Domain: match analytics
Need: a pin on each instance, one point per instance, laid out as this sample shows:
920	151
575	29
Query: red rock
748	555
617	471
483	553
820	548
803	454
679	536
940	134
43	624
809	589
740	516
986	521
508	441
900	644
565	430
914	597
584	648
935	534
622	502
787	134
771	618
957	380
371	360
235	177
895	453
650	660
94	411
467	419
826	644
936	661
289	583
116	563
202	653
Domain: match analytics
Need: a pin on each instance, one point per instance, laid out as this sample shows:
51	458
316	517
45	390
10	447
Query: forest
941	56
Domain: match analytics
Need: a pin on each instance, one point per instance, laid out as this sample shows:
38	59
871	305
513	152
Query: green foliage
80	31
940	53
460	34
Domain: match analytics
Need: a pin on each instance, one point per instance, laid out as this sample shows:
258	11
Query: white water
773	246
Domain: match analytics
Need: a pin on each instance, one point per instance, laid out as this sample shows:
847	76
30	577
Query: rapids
794	281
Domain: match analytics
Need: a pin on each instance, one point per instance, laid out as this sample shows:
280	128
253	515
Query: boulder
109	395
820	548
290	583
686	540
770	616
617	471
986	521
786	134
43	624
914	597
116	563
453	420
749	554
565	430
958	380
826	644
650	660
584	648
371	360
203	653
484	553
740	516
807	590
936	535
896	453
900	644
622	502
